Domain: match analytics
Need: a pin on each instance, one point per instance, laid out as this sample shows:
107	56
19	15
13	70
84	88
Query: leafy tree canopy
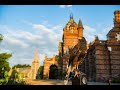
21	66
4	64
4	57
40	72
1	37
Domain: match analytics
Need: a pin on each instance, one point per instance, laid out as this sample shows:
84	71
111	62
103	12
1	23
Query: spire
80	23
36	59
96	37
71	15
80	29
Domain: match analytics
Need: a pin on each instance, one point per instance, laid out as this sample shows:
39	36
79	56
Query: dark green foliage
4	66
4	56
13	79
21	66
4	63
40	72
11	82
1	37
57	57
14	74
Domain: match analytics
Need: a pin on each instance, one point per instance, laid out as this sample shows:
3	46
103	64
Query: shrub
12	82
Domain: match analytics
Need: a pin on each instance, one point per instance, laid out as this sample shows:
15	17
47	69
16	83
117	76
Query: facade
103	56
28	72
55	65
71	34
35	66
23	73
102	59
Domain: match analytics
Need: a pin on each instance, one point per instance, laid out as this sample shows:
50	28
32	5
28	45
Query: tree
1	37
21	66
4	64
40	72
14	74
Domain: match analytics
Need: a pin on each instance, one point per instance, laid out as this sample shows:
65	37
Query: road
61	82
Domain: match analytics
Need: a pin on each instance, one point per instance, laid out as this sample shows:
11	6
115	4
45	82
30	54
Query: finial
96	37
80	23
71	15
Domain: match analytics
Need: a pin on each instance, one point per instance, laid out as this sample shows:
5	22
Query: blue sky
29	27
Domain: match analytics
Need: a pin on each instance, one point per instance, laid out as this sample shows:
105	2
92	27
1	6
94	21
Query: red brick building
103	56
71	34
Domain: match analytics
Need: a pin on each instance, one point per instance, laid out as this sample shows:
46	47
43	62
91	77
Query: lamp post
110	74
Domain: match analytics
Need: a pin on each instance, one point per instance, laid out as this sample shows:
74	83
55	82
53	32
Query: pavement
61	82
45	82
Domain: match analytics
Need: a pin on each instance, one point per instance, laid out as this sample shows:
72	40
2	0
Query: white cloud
64	6
69	6
90	32
42	28
23	44
52	35
29	35
89	29
15	41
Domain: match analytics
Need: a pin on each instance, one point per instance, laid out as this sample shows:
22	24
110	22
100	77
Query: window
72	30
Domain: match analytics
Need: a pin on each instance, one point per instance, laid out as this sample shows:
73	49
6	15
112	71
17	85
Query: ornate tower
114	34
80	29
35	66
117	18
70	34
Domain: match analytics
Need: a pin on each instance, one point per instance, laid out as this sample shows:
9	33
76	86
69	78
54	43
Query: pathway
61	82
